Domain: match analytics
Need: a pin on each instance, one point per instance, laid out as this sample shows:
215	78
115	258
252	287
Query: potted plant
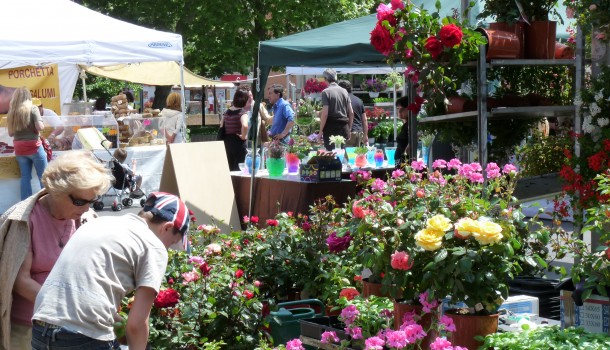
431	47
361	160
275	158
550	337
540	32
541	154
373	86
298	148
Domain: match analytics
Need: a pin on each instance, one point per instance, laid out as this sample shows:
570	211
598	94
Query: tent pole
183	122
83	76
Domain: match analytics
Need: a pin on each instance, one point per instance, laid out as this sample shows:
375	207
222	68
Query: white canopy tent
76	36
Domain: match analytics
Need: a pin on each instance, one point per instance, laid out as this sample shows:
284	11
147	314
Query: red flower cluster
449	36
349	293
313	85
166	298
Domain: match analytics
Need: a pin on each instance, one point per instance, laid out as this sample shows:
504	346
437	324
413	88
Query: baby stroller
124	189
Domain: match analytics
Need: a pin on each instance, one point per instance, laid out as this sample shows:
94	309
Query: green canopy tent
344	44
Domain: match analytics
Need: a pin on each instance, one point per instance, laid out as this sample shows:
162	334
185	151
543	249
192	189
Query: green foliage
545	338
542	155
222	36
383	129
500	11
102	87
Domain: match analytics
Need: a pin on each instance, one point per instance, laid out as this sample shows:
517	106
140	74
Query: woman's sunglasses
82	202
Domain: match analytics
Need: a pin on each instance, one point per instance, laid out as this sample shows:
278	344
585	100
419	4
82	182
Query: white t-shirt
104	260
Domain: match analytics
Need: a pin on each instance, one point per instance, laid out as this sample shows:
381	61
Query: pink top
49	236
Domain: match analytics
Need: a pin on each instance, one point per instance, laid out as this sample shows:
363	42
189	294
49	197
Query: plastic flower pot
361	160
292	162
275	166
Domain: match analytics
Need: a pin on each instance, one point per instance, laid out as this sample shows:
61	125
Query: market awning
154	73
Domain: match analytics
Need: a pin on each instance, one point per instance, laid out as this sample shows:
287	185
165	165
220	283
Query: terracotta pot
518	28
501	44
401	308
469	326
563	51
540	39
375	289
456	104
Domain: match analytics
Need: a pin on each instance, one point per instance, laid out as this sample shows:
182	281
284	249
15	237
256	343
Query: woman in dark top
402	139
235	122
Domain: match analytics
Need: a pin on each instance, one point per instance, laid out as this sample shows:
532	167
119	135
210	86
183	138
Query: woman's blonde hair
76	170
20	110
174	101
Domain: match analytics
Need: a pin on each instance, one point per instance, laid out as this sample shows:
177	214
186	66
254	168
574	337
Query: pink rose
401	261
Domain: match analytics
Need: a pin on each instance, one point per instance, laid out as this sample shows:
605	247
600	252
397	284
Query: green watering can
284	323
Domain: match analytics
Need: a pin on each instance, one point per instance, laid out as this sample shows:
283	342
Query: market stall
88	38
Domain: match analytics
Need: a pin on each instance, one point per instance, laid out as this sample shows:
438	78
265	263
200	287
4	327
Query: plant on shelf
540	10
542	154
432	48
500	11
373	85
394	80
382	130
313	85
592	16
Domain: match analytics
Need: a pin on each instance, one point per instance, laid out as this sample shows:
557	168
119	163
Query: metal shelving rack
482	116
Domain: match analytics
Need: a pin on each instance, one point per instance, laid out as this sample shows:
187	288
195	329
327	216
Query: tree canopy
222	36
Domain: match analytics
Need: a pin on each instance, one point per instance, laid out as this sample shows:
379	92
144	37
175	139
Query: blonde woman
24	124
173	119
34	232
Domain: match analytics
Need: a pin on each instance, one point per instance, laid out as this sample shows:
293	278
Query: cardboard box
594	315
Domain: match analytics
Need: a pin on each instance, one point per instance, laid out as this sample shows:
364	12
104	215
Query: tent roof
154	73
66	32
342	70
341	44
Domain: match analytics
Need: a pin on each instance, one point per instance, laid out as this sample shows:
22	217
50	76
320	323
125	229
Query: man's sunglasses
82	202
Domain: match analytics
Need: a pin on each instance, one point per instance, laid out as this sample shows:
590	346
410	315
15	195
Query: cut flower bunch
313	85
431	48
444	231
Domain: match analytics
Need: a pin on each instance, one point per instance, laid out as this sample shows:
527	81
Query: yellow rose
439	223
429	239
465	227
489	233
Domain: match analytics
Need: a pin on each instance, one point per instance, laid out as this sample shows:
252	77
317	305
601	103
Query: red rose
239	273
205	269
381	39
386	13
451	35
254	219
272	222
306	226
349	293
248	294
434	46
167	298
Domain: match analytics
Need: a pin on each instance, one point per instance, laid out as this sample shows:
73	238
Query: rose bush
432	48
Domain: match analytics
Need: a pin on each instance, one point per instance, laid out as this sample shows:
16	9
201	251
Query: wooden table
274	195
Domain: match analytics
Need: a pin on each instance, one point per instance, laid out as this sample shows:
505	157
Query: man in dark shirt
360	129
402	139
337	115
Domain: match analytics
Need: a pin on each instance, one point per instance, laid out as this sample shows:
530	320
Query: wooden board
198	173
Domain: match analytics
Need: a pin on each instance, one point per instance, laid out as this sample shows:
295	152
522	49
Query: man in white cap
337	115
106	259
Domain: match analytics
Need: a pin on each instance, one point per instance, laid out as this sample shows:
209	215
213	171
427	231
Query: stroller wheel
142	202
127	202
98	205
117	207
